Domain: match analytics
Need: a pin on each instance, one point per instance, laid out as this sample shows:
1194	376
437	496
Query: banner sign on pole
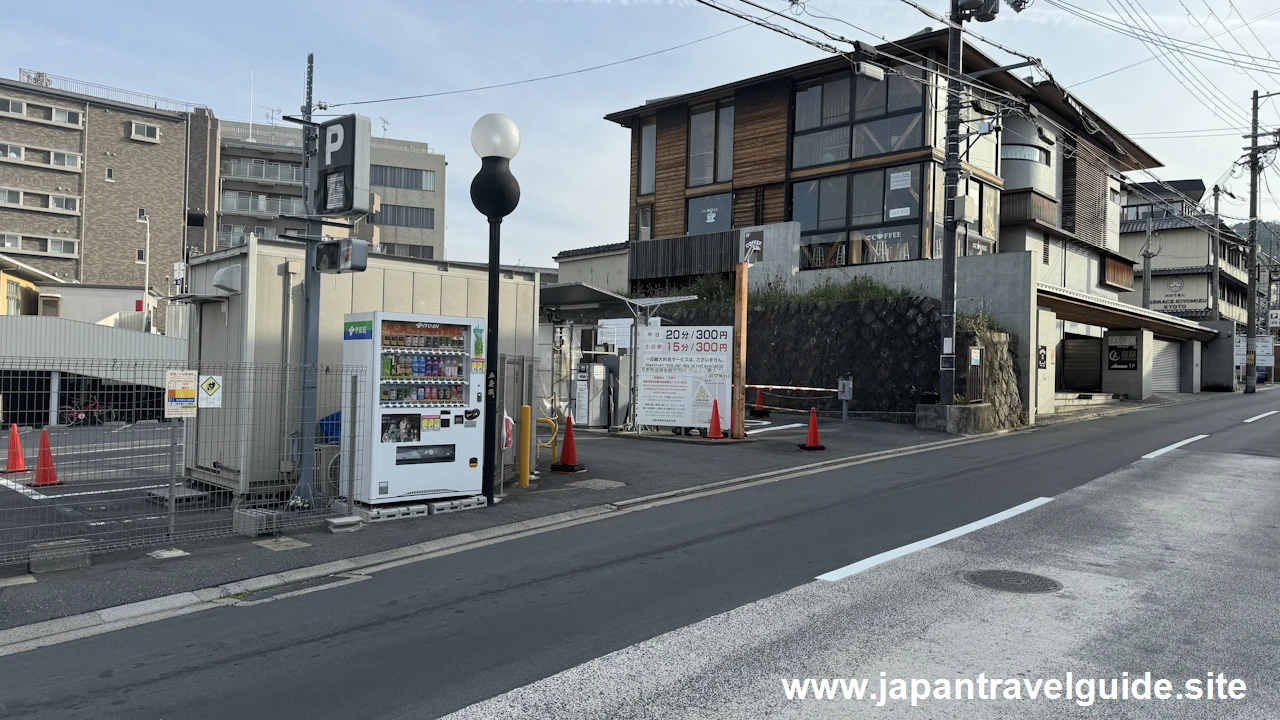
681	370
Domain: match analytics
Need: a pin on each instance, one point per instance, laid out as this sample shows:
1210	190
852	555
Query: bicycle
93	412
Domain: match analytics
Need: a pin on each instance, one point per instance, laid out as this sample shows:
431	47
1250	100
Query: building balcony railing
683	255
272	172
264	134
232	239
264	206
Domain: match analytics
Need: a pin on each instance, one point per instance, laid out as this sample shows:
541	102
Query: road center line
1259	417
774	427
1174	446
885	557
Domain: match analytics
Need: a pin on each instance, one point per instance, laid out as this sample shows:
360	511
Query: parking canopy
579	303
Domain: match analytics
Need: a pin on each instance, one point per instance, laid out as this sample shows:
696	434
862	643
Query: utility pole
1146	267
951	169
1251	344
1216	240
305	494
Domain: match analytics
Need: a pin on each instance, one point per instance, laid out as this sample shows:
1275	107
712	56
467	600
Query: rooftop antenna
250	103
271	114
385	122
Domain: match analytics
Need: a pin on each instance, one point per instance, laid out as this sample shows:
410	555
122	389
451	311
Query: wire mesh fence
90	463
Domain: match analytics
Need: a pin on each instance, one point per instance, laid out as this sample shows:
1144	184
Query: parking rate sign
681	370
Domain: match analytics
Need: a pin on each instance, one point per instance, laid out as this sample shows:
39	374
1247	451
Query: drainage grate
1012	581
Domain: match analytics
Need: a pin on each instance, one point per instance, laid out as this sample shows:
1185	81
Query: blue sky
573	165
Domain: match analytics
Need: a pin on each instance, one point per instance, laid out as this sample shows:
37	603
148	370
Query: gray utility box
591	394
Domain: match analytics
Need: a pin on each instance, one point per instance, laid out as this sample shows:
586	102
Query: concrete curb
49	632
1126	410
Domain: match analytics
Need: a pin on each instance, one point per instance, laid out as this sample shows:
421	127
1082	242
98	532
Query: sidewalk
618	469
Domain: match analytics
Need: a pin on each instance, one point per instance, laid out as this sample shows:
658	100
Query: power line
1144	61
544	77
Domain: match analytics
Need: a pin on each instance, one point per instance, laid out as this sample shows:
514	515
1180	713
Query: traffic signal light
342	256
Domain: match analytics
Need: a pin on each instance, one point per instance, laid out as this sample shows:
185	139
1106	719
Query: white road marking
1259	417
103	492
775	427
22	489
1174	446
885	557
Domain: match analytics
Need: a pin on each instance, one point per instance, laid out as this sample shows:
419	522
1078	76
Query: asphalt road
433	637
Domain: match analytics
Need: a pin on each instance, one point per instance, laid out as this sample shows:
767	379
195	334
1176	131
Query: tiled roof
593	250
1203	222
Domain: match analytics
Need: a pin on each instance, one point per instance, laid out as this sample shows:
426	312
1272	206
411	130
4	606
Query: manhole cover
1013	581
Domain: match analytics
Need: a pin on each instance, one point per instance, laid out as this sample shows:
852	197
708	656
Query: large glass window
1034	153
644	222
648	154
405	216
711	144
839	117
400	177
865	217
709	213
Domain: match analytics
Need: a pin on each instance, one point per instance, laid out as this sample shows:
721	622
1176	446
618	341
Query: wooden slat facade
683	255
1117	273
1084	193
670	172
1022	206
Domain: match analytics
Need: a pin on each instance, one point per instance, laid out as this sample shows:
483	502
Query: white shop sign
681	370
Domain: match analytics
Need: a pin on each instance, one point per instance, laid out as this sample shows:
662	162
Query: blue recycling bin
330	429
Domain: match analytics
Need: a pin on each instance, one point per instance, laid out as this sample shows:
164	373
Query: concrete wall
1135	384
1048	338
1000	285
607	271
1218	365
1191	366
1023	174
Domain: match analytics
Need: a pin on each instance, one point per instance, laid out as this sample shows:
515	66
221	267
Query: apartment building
86	171
1182	267
260	186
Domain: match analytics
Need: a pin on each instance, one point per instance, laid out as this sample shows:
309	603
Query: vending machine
421	416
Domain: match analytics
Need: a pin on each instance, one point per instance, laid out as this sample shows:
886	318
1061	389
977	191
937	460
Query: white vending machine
421	419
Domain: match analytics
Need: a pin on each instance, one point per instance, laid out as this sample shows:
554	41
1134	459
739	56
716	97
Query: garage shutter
1082	364
1167	367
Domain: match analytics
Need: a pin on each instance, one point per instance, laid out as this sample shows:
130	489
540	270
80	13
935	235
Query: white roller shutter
1166	373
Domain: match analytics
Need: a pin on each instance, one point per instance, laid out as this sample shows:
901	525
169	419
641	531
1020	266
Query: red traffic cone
812	443
15	462
568	464
45	473
713	429
758	410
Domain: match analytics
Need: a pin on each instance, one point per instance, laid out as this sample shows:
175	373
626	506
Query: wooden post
738	427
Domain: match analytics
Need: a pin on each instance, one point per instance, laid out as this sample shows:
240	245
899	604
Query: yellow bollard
526	432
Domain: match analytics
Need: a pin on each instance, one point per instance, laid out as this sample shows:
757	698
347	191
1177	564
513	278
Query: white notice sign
180	393
1273	319
900	180
1266	351
681	370
210	391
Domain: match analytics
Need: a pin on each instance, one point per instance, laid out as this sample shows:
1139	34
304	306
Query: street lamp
495	193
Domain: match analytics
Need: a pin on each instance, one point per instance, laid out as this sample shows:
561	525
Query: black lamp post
495	193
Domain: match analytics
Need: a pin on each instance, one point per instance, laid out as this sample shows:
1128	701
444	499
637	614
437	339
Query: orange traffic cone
812	443
45	472
713	431
758	410
568	464
15	462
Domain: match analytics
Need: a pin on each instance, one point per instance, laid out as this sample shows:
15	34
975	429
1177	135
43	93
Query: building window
865	217
644	222
142	215
68	117
711	144
398	177
425	252
12	298
1114	194
1044	251
11	152
111	175
839	116
1033	153
143	131
60	202
648	154
17	107
142	255
709	213
403	216
10	241
10	197
256	169
62	159
62	247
